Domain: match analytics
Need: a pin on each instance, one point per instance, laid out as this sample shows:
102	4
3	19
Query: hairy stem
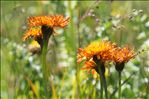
101	95
103	80
119	89
100	69
47	32
44	67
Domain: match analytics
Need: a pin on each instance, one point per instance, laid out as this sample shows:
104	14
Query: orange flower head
102	50
47	21
32	32
124	54
51	21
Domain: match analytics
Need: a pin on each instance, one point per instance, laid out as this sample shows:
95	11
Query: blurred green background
123	22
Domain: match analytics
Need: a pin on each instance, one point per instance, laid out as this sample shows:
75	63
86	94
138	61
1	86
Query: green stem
100	69
119	89
47	32
103	80
105	86
44	67
122	84
101	95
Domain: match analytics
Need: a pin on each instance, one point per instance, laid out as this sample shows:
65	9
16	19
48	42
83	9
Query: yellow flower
34	47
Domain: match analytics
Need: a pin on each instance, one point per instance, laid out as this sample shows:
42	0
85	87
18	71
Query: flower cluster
104	51
49	21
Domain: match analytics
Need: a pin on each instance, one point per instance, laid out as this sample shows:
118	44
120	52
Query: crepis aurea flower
33	32
41	27
101	49
121	56
51	21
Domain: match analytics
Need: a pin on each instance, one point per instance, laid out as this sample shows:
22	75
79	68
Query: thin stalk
100	69
105	86
101	95
44	67
103	80
122	84
47	32
119	89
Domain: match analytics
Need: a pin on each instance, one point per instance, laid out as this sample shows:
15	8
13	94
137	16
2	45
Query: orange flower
51	21
32	32
123	55
103	50
48	21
